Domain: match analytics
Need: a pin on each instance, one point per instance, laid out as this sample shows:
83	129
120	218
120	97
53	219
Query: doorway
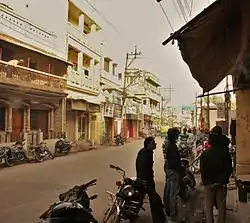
17	123
39	120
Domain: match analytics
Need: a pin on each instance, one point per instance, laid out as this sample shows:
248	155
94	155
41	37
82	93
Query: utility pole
227	106
208	111
130	58
196	110
165	100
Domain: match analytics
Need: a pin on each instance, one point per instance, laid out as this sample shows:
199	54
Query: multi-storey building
146	87
32	79
111	82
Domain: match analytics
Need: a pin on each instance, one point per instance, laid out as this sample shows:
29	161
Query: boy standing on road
145	172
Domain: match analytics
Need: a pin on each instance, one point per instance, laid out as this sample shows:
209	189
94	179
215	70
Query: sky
143	23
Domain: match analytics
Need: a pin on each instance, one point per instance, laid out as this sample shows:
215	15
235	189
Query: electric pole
130	58
227	106
208	112
165	100
196	111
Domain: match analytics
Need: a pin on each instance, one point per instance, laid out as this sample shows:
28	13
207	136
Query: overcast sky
142	22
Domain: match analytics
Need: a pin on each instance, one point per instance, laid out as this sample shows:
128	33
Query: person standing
174	175
145	172
216	168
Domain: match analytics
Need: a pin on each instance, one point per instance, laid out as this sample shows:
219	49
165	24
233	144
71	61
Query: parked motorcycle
73	206
188	180
119	139
15	154
127	202
40	152
63	146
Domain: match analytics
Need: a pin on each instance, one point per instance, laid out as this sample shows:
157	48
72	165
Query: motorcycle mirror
93	197
118	183
112	166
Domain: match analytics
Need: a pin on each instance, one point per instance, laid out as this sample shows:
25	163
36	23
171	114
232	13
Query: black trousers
156	206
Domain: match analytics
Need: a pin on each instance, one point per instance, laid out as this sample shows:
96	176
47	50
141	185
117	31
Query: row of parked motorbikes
15	154
74	204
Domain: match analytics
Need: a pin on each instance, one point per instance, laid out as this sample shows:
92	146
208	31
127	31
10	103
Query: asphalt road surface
27	190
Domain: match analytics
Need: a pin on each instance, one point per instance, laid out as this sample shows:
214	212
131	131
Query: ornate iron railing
26	77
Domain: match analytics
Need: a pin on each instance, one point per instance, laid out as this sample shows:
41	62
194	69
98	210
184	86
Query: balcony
85	40
156	112
23	77
110	81
12	24
153	79
146	110
81	81
153	95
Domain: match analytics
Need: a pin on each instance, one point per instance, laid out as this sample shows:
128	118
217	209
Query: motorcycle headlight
128	191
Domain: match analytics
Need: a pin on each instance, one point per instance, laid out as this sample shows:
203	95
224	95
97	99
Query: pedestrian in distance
145	172
216	168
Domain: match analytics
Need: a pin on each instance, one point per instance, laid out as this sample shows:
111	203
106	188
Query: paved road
28	189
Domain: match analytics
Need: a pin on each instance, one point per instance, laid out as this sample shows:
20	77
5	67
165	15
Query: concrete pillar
81	22
40	136
27	119
243	133
92	71
80	61
9	119
25	137
52	120
6	119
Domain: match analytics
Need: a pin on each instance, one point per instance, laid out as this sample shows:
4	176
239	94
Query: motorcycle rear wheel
111	216
8	162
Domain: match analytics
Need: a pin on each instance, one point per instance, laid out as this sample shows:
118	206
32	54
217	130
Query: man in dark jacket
174	173
145	172
216	168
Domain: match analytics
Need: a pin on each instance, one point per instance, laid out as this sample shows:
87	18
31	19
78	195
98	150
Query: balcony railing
26	77
84	39
81	80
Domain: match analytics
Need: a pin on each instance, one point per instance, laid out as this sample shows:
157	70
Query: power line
177	10
191	8
168	20
104	17
187	5
182	10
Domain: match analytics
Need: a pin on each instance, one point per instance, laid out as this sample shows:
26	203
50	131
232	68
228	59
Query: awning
97	100
214	43
20	43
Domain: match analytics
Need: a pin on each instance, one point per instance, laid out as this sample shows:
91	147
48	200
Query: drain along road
27	190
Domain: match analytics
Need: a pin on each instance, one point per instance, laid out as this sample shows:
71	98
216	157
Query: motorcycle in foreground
40	151
119	139
189	181
14	154
127	202
63	146
73	206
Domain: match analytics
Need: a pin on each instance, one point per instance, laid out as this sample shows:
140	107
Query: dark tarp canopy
214	43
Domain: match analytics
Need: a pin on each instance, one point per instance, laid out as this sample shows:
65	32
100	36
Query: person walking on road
145	172
216	168
174	175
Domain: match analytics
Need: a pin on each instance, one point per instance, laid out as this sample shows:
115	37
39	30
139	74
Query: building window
33	65
106	65
114	69
145	102
119	76
2	118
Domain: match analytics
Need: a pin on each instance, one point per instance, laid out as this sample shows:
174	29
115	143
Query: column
52	120
81	23
93	28
63	115
92	71
9	119
80	61
28	119
242	133
6	119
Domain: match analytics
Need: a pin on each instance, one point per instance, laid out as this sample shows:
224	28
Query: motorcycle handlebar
89	184
115	167
93	197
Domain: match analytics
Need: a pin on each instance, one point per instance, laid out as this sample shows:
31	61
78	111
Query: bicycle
107	140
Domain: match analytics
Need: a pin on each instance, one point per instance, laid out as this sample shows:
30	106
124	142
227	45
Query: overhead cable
166	15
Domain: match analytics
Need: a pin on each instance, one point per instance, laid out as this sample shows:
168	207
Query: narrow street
27	190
